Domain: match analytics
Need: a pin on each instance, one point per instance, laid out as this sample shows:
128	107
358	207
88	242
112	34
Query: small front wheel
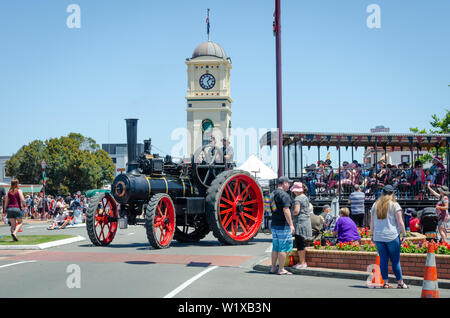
160	221
102	219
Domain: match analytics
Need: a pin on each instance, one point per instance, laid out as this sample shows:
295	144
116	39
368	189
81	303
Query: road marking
269	249
130	234
188	282
12	264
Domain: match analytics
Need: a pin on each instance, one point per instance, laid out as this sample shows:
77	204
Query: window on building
207	128
121	150
405	158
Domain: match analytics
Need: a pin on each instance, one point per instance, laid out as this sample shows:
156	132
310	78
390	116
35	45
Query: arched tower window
207	129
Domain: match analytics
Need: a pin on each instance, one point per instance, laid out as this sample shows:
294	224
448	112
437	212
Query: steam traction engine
177	201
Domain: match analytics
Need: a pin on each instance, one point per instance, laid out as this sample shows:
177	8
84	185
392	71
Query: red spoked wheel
102	219
235	207
160	221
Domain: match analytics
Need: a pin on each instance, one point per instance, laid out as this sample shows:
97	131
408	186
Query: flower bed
353	256
365	234
407	247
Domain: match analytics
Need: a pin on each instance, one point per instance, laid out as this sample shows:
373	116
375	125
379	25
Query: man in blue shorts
282	226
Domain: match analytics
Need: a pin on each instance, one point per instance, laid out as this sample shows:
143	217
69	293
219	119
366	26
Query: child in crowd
327	217
429	176
62	219
414	223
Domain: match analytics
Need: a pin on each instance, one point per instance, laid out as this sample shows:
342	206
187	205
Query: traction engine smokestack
132	144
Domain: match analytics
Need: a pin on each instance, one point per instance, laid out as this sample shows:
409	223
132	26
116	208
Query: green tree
440	126
26	163
75	163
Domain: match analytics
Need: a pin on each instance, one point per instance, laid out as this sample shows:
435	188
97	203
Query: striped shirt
357	202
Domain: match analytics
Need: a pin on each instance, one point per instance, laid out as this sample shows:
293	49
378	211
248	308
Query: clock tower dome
208	96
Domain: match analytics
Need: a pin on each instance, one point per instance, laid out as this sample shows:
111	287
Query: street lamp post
43	166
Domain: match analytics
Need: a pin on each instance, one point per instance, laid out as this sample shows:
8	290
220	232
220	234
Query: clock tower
208	96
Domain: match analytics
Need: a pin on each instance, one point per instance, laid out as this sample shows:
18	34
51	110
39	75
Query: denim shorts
14	213
281	239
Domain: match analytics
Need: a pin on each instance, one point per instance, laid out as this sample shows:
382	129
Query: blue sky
127	60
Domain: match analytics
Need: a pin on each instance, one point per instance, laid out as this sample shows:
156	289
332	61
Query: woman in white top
386	225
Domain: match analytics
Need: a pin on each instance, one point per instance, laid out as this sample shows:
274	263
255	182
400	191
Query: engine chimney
132	164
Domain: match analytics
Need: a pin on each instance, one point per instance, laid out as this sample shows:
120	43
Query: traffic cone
291	260
17	223
377	279
430	284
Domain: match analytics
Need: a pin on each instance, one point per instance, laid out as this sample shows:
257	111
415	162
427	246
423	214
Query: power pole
277	33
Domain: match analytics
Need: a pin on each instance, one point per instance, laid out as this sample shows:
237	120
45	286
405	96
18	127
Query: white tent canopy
257	168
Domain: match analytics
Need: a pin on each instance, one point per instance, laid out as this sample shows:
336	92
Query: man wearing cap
282	226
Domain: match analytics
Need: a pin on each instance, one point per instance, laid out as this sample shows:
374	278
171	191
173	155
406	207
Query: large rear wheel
160	221
234	207
102	219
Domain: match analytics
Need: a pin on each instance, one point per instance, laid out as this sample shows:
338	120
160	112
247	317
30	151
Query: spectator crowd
322	179
61	210
293	223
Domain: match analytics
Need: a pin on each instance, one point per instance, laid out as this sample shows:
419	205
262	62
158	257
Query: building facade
392	156
119	155
3	177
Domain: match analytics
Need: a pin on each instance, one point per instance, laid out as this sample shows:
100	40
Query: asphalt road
129	267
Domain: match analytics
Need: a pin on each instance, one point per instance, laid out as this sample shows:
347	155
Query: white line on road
130	234
12	264
269	249
188	282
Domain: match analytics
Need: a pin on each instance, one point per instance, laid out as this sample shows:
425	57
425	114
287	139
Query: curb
43	245
333	273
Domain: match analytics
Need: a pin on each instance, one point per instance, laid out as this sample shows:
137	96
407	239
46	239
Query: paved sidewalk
346	274
29	221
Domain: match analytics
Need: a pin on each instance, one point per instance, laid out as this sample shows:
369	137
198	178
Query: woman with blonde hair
386	224
15	204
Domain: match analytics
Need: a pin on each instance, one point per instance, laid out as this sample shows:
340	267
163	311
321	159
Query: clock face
207	81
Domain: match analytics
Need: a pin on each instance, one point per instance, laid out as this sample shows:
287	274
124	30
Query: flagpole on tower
207	26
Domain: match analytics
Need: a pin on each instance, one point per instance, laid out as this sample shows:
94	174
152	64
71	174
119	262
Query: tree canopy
74	163
440	126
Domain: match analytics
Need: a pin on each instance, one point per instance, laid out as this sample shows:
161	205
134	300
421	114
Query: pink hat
297	187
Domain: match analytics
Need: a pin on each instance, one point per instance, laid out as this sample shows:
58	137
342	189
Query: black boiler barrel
132	188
